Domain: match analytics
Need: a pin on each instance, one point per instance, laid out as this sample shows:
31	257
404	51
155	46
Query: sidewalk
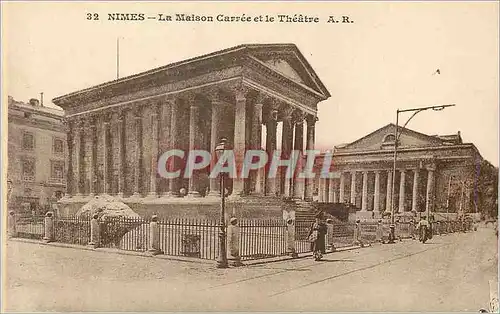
177	258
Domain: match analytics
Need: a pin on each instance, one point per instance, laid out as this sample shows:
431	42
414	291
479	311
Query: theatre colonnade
370	188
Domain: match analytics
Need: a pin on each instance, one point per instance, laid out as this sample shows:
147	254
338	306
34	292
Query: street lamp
222	260
392	227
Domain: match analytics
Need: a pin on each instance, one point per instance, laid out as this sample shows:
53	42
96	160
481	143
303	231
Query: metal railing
29	226
198	238
72	230
189	237
262	238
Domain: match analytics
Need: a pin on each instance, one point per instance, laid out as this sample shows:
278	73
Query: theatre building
36	156
117	130
432	171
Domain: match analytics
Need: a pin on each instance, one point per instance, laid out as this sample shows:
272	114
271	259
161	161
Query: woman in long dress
316	236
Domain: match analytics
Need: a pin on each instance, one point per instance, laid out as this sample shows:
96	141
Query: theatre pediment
383	138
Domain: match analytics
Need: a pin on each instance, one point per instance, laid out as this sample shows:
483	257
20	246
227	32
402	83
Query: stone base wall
198	208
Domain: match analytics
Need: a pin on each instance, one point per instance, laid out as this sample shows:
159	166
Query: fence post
154	236
357	234
290	238
94	232
331	245
49	227
233	239
379	231
11	221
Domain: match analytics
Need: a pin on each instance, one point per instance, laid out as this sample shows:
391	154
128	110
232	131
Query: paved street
449	273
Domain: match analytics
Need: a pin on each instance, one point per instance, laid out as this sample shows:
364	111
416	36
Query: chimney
41	99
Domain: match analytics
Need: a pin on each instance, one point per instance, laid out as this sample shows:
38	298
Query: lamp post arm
407	121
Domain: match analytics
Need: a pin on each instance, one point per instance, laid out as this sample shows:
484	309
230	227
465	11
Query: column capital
240	92
155	109
260	98
272	116
108	115
298	116
286	112
170	98
431	167
311	119
138	111
190	98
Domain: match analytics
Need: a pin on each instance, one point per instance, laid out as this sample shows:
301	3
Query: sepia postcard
250	156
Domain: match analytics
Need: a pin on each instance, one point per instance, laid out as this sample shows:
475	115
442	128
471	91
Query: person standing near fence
316	236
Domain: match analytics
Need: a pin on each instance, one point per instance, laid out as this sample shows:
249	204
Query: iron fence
72	230
199	238
302	228
262	238
129	234
189	237
30	227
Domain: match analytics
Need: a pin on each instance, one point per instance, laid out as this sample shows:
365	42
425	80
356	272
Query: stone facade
117	130
36	156
438	173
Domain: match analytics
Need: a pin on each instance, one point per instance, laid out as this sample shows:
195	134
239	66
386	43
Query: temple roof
285	59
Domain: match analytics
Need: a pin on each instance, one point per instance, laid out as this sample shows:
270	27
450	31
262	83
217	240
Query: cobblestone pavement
449	273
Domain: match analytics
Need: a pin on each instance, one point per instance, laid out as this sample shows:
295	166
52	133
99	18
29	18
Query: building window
389	138
58	146
28	141
57	170
388	141
28	169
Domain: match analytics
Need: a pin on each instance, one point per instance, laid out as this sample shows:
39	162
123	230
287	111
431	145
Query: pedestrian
316	236
423	229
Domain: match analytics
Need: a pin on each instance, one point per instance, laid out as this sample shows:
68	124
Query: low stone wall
202	208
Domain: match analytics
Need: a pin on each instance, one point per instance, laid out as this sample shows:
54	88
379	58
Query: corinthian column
402	195
286	147
138	152
174	183
388	198
165	139
77	142
331	191
91	148
270	148
376	196
364	195
414	203
430	189
214	140
298	184
69	175
194	133
353	187
342	188
105	147
311	121
239	140
120	153
154	151
257	143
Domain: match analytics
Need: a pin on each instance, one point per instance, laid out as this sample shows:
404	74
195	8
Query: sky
383	61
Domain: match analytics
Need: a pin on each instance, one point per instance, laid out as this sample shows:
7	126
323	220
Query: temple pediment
288	61
383	138
284	68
